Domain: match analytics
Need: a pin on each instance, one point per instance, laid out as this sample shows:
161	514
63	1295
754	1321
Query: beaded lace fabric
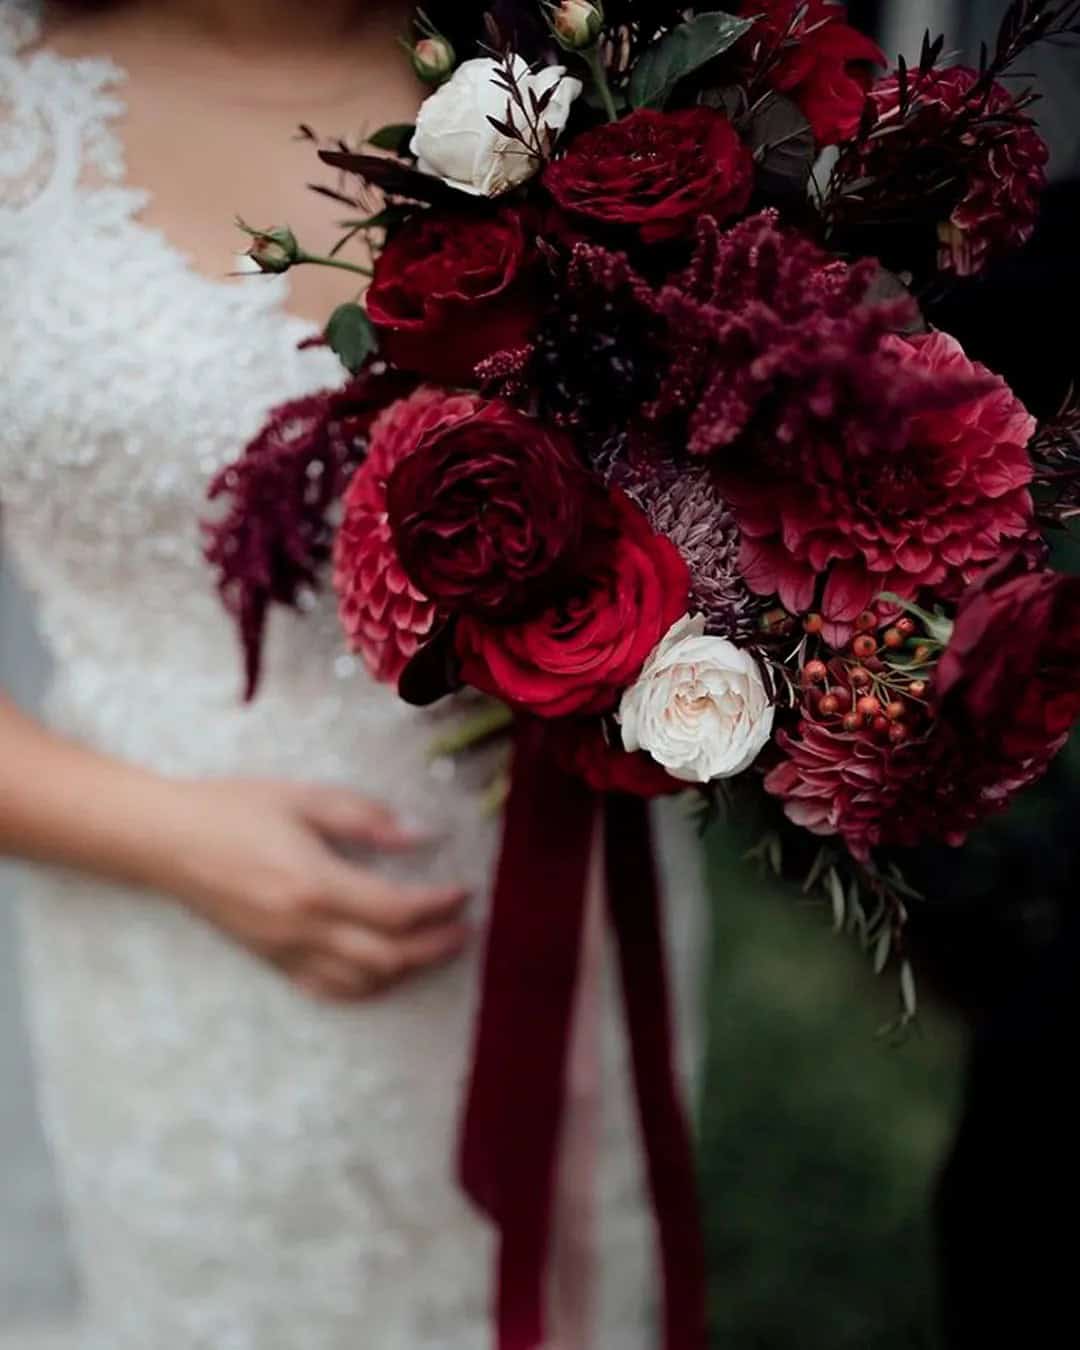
243	1169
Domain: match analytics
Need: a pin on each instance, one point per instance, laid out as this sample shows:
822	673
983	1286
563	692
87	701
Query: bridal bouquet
648	437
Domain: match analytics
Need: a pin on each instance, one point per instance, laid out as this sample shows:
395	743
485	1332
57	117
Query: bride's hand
256	859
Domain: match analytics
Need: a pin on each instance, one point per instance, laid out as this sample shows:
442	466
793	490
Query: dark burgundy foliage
275	537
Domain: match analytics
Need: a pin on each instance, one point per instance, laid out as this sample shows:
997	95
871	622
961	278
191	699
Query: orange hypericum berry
813	623
829	706
881	726
917	688
815	671
868	706
852	721
864	646
866	620
894	710
860	677
906	626
921	653
898	733
893	638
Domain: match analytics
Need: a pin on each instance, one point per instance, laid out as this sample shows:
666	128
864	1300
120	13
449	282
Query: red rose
824	64
1011	671
449	290
656	172
578	655
487	510
385	617
583	749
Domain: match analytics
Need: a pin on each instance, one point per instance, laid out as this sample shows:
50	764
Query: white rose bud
699	707
456	142
576	23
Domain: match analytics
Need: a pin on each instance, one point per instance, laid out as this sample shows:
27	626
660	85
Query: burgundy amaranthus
272	543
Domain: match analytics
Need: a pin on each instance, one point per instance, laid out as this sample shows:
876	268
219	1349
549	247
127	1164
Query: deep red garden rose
1011	671
822	63
488	510
933	511
655	172
577	655
449	290
385	617
583	748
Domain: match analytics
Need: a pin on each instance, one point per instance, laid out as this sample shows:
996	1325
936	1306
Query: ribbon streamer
513	1113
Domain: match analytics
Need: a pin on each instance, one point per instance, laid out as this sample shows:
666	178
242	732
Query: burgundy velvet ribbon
513	1113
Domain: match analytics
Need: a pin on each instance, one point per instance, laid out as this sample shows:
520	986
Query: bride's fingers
357	894
334	978
348	817
386	960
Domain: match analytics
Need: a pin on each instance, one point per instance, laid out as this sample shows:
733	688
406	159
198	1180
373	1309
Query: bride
249	945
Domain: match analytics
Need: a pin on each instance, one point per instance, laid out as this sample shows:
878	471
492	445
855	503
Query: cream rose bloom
699	707
455	141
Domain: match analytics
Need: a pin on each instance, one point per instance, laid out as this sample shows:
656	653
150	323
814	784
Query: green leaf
937	625
779	135
396	138
681	52
836	895
351	336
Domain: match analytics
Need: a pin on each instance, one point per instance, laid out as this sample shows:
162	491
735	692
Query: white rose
455	141
699	707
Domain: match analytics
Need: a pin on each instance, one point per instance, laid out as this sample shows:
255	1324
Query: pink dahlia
1001	161
933	783
385	617
931	510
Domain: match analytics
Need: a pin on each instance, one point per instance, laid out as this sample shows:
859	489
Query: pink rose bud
434	59
577	24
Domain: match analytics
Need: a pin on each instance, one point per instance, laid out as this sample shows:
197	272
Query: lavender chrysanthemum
683	503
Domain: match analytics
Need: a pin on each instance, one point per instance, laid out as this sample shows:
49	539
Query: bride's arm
253	857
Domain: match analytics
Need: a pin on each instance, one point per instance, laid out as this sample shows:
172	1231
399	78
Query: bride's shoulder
56	101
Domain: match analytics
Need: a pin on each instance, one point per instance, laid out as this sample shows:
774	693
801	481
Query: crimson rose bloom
385	617
824	64
449	290
579	654
583	749
1011	671
656	172
932	512
487	510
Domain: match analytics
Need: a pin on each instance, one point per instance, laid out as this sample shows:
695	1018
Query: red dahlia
932	510
999	156
385	617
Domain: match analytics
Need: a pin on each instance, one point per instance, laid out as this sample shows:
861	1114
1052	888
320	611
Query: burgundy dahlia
973	151
385	617
1011	672
488	510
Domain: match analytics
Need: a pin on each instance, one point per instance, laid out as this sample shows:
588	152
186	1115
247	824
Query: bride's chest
129	380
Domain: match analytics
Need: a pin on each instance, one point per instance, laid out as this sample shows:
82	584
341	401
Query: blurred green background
820	1141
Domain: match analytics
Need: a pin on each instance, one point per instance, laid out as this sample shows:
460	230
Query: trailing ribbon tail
514	1108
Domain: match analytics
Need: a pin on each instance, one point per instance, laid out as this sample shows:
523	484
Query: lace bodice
245	1170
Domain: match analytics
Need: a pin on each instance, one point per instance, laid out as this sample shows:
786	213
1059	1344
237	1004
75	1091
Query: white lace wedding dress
243	1169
